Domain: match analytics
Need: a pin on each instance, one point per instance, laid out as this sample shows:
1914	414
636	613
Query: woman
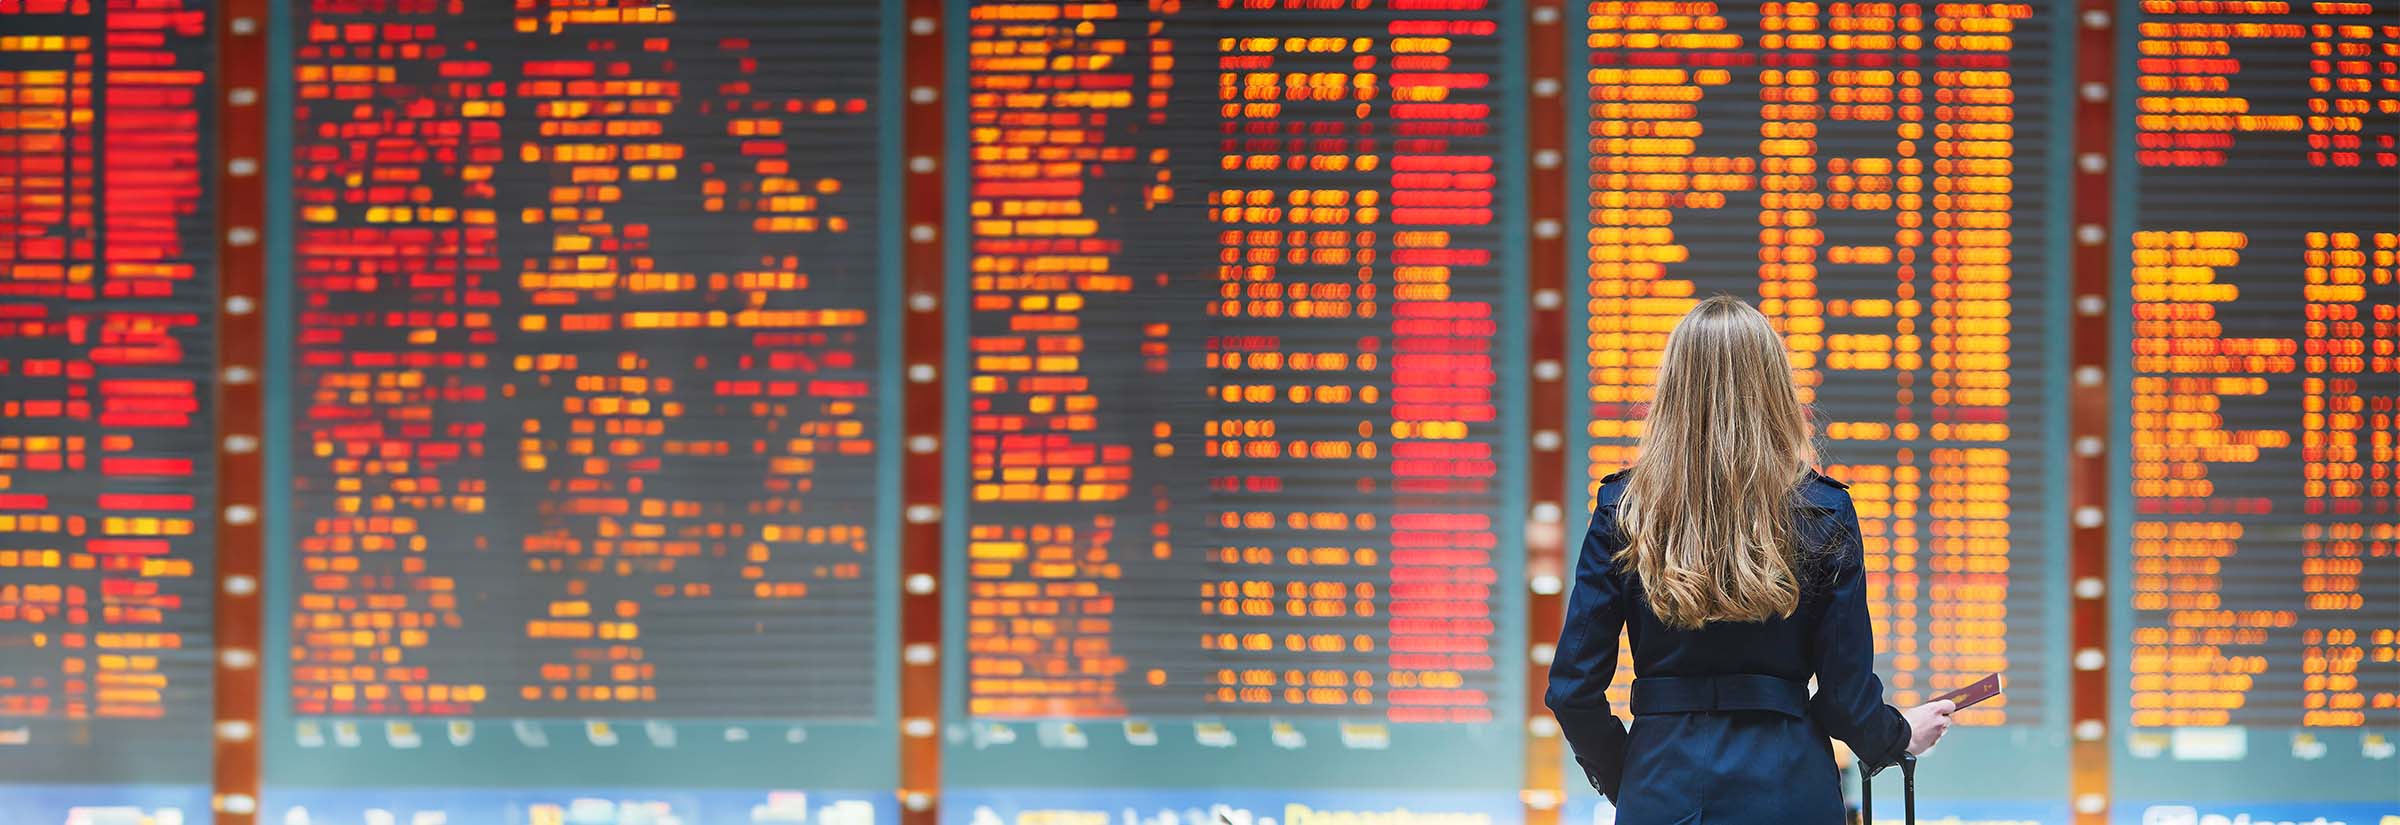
1737	573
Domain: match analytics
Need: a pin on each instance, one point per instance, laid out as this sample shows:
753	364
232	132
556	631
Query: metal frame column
924	335
241	53
2091	347
1546	565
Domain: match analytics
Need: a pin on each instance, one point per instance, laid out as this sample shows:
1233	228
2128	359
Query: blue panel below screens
104	804
1227	807
2151	812
575	806
1887	811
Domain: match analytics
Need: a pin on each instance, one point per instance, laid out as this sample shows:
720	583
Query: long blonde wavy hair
1707	509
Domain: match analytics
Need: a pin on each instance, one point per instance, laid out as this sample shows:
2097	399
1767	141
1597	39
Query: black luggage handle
1908	790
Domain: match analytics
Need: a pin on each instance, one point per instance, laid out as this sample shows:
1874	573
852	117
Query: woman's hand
1927	723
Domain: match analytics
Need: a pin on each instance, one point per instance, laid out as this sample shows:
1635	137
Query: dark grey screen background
780	111
2177	579
742	452
108	207
1172	252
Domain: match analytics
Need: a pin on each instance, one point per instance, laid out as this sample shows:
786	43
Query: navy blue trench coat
1725	729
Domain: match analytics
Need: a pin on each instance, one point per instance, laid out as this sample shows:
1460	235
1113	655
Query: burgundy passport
1984	688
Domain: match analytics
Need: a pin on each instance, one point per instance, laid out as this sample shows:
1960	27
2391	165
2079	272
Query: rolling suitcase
1908	792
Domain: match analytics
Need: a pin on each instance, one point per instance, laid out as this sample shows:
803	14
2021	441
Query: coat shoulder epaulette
1821	492
1610	489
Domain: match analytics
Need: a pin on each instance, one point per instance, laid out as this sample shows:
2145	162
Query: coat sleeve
1587	660
1849	700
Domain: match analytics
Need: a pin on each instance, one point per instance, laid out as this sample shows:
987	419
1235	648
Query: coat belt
1707	694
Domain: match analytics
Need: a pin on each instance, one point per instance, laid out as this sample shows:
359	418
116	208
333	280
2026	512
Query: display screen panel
107	431
1877	179
2258	523
1230	393
584	396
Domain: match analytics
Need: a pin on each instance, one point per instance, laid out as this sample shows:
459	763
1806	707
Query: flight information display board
1876	178
106	432
2260	491
584	386
1874	181
1233	282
